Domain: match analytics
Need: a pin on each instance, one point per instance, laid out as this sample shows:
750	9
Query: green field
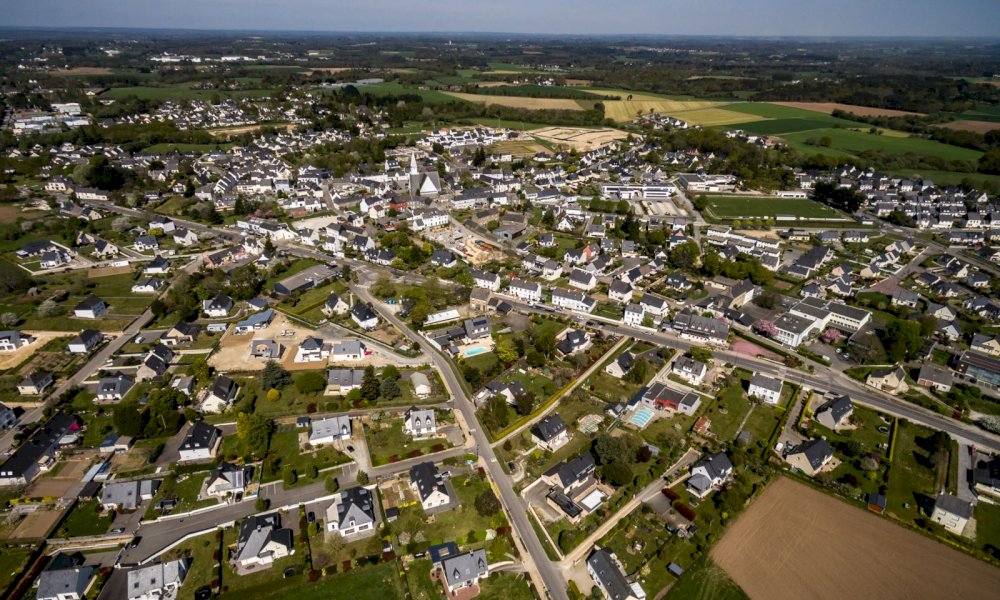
394	88
85	519
706	581
541	91
857	142
733	207
180	92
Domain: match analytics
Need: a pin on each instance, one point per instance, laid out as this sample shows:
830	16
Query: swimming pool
641	417
475	351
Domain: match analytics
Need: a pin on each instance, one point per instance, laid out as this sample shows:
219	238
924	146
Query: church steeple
413	163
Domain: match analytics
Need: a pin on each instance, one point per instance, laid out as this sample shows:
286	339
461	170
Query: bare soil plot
36	525
9	360
108	271
975	126
319	70
863	111
524	101
520	147
70	473
579	137
795	542
234	351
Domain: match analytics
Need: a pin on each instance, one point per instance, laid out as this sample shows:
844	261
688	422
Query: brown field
975	126
579	82
36	525
83	71
579	137
108	271
521	147
863	111
492	84
10	360
222	131
320	70
795	542
524	102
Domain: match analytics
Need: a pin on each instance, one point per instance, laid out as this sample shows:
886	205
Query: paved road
537	562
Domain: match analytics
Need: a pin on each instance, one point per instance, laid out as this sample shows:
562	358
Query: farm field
736	207
856	142
970	125
521	147
816	539
523	101
863	111
948	177
625	110
394	88
180	92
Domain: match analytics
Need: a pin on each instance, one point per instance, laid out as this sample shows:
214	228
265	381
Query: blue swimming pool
475	351
641	417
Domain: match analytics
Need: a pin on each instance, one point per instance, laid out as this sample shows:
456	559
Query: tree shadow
924	502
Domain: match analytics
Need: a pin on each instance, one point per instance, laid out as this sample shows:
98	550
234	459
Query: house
621	365
330	429
265	349
764	388
64	584
228	479
420	384
35	383
584	280
654	305
620	291
254	322
149	285
550	433
347	351
890	380
477	328
443	258
987	344
811	456
146	243
661	397
128	495
575	473
429	485
7	416
418	422
307	279
21	467
835	413
709	474
608	574
312	349
12	340
91	307
85	341
952	513
464	570
185	237
181	333
220	395
262	540
935	377
702	329
573	300
335	305
158	580
689	369
154	364
201	442
342	381
352	512
364	315
528	291
113	389
485	279
157	266
574	341
986	476
218	307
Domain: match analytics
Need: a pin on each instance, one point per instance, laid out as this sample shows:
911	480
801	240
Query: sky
921	18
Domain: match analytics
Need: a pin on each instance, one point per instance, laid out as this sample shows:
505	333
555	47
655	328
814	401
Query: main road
537	562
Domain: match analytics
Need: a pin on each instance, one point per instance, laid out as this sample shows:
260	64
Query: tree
289	476
49	308
370	387
700	354
9	319
831	336
471	374
505	350
129	420
487	503
390	372
902	339
254	431
524	403
618	472
274	376
685	256
200	370
928	325
766	327
535	358
310	382
362	478
262	504
609	448
638	373
389	389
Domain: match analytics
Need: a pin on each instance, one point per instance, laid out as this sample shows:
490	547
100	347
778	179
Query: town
276	325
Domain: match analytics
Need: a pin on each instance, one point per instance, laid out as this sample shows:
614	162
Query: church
423	183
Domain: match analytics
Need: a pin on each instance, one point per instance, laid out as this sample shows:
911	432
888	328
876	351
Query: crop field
524	101
856	142
863	111
180	92
546	91
521	147
626	110
712	117
822	548
736	207
974	126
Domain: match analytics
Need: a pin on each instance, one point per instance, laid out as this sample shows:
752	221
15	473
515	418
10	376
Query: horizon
852	19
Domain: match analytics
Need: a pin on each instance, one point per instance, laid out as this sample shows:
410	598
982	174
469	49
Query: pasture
863	111
738	207
721	116
857	142
822	548
180	93
523	101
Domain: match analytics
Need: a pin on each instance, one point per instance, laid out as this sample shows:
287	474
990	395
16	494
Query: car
135	542
311	517
445	474
350	448
118	530
203	593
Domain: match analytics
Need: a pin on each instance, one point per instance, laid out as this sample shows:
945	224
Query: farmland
857	142
811	548
738	207
864	111
524	101
180	92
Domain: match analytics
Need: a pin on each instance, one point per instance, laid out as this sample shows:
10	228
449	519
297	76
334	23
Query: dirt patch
70	474
223	131
36	525
819	547
863	111
524	102
751	349
579	137
492	84
108	271
579	82
974	126
9	360
317	70
521	147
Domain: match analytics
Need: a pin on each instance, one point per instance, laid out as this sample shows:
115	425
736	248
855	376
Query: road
537	562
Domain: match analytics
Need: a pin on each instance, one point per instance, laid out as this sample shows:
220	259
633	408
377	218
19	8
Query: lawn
988	528
911	478
728	411
86	518
388	443
283	453
857	142
506	586
738	207
12	562
185	489
373	582
706	581
419	582
762	422
645	529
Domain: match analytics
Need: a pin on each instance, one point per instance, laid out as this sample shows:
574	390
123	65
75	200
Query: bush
273	395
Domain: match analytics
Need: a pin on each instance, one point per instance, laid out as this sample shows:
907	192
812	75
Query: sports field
738	207
795	542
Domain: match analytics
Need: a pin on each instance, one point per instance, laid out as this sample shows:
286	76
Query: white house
201	442
157	581
365	316
262	540
330	429
90	307
708	474
347	351
951	512
352	512
528	291
764	388
218	307
550	433
312	350
429	485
